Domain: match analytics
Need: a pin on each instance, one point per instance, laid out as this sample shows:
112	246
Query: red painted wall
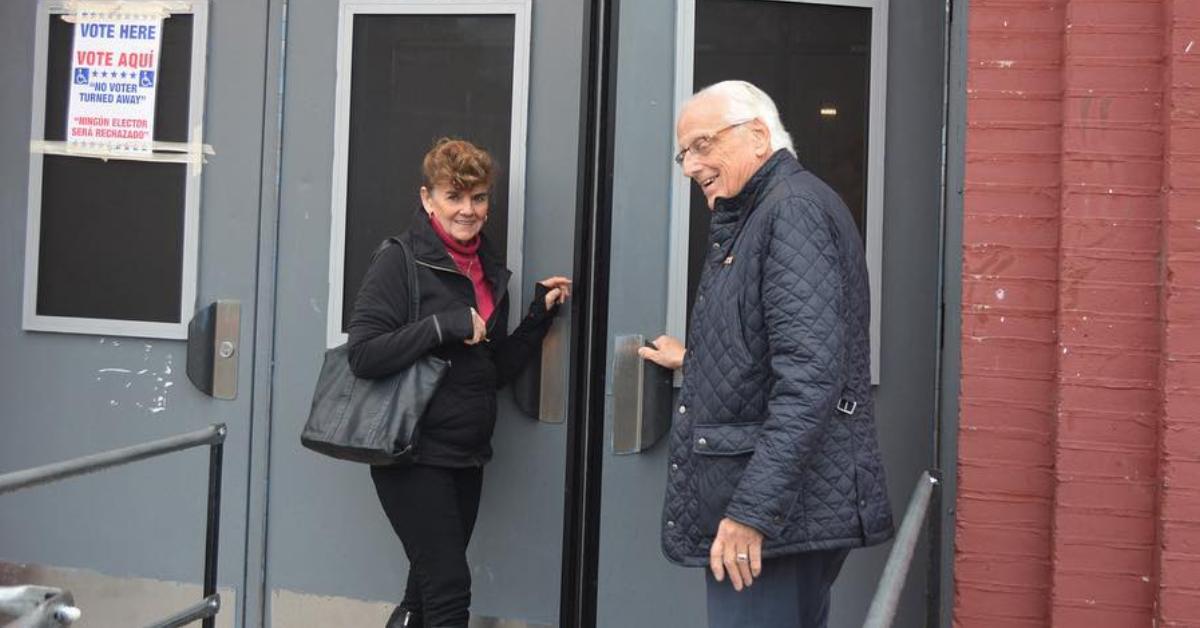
1079	456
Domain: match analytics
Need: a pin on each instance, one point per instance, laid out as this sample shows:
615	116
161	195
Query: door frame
586	392
253	611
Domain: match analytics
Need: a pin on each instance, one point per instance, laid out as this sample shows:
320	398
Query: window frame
677	281
31	320
347	11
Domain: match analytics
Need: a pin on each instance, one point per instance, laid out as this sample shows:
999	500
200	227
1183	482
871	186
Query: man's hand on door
667	351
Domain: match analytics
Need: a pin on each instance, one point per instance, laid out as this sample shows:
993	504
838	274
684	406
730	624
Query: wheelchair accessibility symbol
82	75
146	78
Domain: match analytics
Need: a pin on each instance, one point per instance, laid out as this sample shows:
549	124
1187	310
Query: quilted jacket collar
730	213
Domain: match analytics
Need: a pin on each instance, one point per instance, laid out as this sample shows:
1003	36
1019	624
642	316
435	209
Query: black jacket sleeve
513	352
382	341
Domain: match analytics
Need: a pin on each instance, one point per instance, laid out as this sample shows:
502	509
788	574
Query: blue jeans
791	592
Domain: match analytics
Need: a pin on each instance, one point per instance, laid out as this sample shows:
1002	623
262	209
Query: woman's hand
559	290
480	329
667	351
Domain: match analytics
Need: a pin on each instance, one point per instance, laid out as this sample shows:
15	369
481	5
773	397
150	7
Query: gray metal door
331	557
127	540
637	586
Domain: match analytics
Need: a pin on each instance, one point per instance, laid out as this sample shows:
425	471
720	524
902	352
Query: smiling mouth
707	182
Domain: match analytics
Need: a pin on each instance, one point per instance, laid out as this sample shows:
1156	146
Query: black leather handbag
376	421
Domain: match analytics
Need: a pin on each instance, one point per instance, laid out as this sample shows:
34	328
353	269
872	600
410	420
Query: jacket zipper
497	296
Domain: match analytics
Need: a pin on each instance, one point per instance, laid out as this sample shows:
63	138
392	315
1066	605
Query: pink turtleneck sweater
466	257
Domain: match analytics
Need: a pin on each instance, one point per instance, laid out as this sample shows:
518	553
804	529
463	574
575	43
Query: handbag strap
414	286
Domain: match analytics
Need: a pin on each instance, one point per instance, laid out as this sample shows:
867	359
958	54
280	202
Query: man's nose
691	166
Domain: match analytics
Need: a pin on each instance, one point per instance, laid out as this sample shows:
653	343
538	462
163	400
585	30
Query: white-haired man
775	471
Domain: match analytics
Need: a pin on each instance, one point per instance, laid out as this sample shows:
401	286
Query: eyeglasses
704	144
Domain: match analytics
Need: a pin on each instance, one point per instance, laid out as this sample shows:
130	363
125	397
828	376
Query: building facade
1077	453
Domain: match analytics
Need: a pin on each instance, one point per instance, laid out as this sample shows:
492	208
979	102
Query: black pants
432	510
791	592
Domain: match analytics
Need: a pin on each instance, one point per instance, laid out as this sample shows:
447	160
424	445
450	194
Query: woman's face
460	212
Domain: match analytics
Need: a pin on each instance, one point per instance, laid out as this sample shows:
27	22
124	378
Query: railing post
215	454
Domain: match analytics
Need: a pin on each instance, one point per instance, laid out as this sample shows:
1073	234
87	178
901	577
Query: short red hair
459	163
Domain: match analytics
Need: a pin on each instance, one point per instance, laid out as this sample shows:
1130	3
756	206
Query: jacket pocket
720	454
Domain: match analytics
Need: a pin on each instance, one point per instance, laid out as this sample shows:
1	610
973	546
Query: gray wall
146	520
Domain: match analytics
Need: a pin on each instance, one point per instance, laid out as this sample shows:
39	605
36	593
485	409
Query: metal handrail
16	480
891	583
205	609
213	436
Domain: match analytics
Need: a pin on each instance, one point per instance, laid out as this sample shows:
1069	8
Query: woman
464	303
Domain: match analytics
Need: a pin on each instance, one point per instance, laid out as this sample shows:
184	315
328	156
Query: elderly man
775	470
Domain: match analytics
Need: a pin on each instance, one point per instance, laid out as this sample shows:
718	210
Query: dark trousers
432	510
791	592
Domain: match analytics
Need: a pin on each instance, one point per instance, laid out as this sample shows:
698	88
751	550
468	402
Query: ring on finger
741	558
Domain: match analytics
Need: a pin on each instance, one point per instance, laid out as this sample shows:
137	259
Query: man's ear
762	138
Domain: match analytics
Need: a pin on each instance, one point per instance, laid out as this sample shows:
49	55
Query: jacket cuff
537	309
455	326
769	527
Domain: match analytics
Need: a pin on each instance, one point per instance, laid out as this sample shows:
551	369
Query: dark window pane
111	243
417	78
807	57
111	239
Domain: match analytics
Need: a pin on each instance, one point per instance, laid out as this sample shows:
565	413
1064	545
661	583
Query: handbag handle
414	285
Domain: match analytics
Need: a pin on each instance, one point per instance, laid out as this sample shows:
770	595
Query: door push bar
642	393
45	612
212	348
540	389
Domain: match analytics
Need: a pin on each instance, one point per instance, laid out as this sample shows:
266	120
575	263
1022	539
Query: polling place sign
114	74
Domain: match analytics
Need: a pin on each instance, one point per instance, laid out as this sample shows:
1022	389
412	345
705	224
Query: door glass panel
116	247
417	78
814	60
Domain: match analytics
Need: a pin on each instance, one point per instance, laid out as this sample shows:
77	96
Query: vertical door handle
642	393
540	389
212	348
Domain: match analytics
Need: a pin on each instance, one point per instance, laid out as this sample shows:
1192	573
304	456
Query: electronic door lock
212	363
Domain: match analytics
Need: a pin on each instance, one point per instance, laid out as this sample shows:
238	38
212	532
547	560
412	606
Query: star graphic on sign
123	75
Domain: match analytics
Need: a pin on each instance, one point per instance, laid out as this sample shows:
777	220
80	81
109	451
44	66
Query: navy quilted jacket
775	425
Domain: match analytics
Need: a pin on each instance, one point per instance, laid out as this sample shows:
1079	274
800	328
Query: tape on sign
191	153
